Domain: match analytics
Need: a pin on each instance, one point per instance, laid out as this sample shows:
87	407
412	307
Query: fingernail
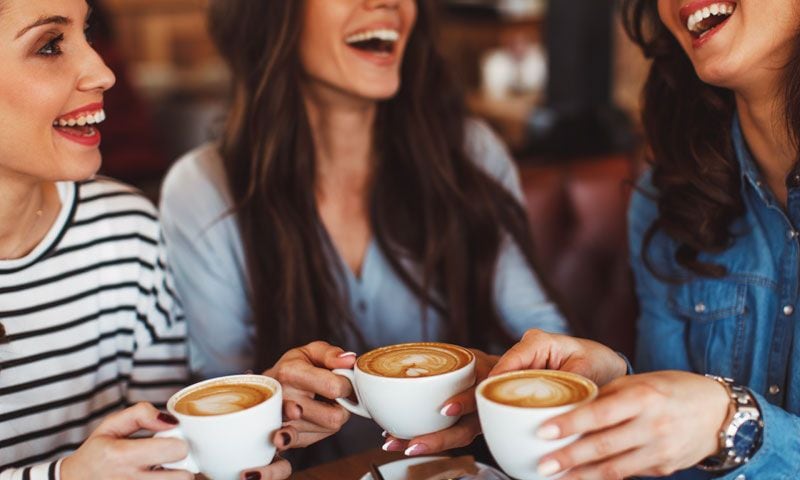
549	432
384	434
287	439
347	354
167	418
549	467
452	410
417	449
300	407
392	446
252	476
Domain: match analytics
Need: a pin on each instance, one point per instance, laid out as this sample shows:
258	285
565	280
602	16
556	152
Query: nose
96	75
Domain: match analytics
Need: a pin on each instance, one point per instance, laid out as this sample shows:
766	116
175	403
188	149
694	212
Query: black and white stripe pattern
92	325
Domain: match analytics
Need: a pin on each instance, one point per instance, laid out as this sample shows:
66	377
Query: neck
764	128
342	130
22	227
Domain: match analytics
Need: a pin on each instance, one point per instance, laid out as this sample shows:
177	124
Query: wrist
741	433
722	413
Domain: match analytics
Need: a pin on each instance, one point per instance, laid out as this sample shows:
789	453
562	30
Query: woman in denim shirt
714	241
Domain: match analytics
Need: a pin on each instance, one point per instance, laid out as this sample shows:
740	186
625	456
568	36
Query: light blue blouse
207	256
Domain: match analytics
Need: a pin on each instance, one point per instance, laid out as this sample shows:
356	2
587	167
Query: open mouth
374	41
707	19
80	124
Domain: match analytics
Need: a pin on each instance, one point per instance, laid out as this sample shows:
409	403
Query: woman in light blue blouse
350	200
716	250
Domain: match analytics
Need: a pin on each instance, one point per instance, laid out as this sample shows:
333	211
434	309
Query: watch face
747	438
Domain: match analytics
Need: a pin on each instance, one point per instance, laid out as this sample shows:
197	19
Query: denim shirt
743	326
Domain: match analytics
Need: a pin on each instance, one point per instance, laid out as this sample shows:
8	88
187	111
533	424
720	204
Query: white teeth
706	12
383	34
83	120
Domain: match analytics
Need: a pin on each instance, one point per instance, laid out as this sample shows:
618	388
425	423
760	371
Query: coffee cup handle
187	463
348	404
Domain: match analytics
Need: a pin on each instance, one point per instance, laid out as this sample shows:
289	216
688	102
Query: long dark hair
437	216
688	129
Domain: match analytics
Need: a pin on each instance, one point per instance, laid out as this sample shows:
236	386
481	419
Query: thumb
324	355
142	416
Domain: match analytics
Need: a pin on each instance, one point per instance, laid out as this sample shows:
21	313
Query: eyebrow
54	19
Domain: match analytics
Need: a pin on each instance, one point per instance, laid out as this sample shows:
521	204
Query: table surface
349	468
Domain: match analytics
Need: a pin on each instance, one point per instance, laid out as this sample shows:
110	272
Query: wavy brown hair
687	125
437	216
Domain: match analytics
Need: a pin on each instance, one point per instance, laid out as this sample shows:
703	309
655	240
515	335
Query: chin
81	169
719	74
378	92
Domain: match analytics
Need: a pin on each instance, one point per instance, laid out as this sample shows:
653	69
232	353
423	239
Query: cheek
409	12
318	43
668	13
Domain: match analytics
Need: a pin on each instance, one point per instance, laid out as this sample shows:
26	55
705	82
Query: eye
52	48
87	32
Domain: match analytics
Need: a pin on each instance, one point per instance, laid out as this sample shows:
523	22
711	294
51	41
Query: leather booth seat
577	211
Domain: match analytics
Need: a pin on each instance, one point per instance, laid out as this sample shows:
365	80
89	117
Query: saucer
397	470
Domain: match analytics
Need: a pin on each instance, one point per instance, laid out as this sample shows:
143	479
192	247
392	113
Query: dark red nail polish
287	439
252	476
167	418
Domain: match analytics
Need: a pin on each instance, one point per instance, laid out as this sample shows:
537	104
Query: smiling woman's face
357	46
51	79
737	44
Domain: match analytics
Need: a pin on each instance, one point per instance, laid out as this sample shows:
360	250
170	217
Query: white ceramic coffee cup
510	431
222	446
407	407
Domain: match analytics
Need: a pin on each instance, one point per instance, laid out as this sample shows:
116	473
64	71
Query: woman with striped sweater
92	338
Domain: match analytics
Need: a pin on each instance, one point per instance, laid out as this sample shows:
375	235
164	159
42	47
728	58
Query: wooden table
349	468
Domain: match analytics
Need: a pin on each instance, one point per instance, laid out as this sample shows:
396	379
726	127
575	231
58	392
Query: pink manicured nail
549	467
347	354
418	449
549	432
392	446
451	410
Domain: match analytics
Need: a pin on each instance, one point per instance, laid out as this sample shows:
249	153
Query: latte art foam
537	390
221	399
414	360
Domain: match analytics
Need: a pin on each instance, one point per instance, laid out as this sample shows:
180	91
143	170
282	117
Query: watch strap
744	411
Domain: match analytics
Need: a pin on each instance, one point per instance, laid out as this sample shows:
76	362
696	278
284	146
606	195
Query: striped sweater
92	326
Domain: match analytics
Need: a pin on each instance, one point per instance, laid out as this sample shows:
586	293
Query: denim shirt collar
747	164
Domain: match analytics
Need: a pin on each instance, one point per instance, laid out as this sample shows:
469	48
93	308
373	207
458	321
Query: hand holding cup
404	387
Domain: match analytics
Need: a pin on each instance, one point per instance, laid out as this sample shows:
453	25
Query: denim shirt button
793	181
700	307
788	310
792	234
741	477
774	390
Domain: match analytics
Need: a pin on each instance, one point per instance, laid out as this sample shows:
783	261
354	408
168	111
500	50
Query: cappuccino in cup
414	360
514	405
404	387
538	389
221	398
228	423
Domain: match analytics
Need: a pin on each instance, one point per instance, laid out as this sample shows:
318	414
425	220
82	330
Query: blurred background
558	80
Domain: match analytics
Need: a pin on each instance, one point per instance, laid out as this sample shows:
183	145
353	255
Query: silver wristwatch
742	432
